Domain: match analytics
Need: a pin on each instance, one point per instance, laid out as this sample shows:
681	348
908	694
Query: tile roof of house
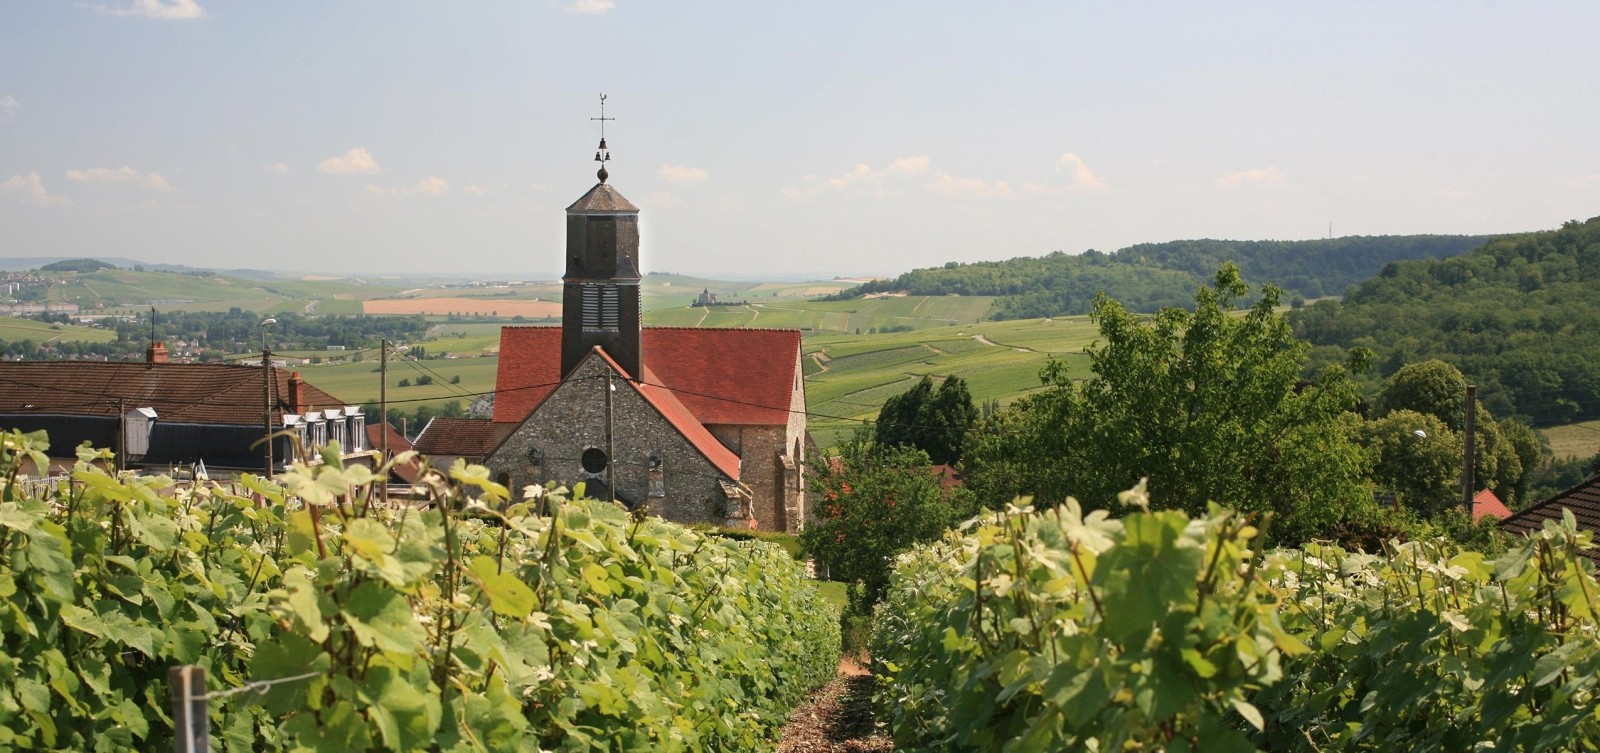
397	444
602	199
472	438
1485	503
201	393
723	376
1583	500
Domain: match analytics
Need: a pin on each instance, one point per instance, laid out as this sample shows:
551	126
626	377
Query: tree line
1520	317
1150	276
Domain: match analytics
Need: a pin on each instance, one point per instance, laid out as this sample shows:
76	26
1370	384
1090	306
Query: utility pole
122	434
266	399
383	410
266	389
1470	449
611	462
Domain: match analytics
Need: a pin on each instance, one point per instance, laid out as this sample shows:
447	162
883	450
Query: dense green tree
934	420
1520	317
1505	453
1415	457
1431	387
873	502
1205	404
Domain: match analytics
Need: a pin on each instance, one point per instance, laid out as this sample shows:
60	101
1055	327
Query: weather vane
603	155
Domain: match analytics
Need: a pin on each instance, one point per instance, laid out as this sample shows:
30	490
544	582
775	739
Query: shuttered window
600	307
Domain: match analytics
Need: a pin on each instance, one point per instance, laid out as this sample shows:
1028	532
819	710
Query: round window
594	460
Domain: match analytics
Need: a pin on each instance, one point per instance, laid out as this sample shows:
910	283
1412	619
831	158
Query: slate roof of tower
721	376
602	199
1584	502
197	393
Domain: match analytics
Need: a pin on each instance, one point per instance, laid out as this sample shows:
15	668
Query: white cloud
473	189
425	187
277	167
663	199
948	185
591	7
124	174
1257	176
540	187
32	188
862	180
8	103
177	10
683	176
910	165
1082	176
357	161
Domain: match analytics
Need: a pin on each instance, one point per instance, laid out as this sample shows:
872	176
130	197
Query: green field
357	383
127	291
850	376
859	317
13	329
1580	440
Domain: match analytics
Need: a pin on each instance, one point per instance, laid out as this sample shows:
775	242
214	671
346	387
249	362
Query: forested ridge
1520	317
1149	276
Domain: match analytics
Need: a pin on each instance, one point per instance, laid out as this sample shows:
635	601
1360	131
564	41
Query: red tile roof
472	438
722	376
200	393
674	411
397	444
1485	503
1584	502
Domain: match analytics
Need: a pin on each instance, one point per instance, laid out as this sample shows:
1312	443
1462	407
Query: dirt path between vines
837	718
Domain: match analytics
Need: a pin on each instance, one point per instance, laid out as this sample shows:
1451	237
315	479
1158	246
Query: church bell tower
600	302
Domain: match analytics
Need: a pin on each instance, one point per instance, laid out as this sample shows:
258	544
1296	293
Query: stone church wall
572	419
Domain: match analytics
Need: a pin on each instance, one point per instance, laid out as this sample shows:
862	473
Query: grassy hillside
357	382
1520	317
844	317
850	376
128	291
14	330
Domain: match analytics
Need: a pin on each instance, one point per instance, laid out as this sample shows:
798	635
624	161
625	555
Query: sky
779	140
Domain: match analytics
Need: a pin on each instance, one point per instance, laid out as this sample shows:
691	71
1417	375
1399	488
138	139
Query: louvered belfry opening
601	301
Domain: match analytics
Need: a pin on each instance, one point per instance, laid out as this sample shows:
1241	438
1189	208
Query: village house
694	425
165	416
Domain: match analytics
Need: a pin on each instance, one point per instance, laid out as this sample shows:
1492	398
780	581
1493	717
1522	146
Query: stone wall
572	420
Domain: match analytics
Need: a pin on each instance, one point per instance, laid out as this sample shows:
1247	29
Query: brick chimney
297	394
156	353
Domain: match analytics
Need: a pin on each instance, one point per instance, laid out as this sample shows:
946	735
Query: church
693	425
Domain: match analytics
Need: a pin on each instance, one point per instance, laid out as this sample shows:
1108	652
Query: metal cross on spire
603	155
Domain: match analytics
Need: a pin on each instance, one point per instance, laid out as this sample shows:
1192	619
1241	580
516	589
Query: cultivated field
1581	440
357	382
13	329
463	306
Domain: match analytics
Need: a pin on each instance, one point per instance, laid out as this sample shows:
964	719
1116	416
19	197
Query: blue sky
779	139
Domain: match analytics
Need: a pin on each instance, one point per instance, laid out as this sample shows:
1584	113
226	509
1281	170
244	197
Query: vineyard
1055	630
327	621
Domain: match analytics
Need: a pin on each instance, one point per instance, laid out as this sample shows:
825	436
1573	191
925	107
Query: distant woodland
1149	276
1520	317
